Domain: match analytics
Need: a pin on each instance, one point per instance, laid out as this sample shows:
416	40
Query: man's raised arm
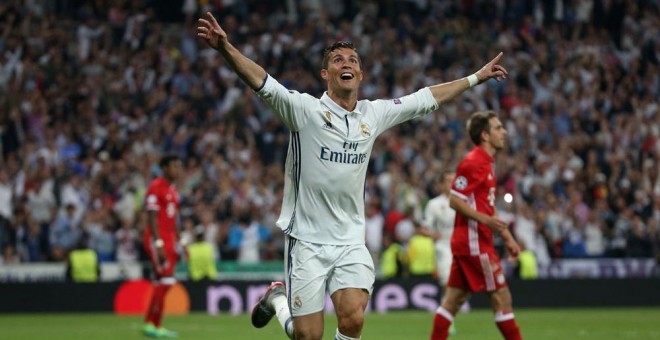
252	74
447	91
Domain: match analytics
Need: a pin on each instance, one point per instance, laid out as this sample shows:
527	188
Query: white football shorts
314	269
443	258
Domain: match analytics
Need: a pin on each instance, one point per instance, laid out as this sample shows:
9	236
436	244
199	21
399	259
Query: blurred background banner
111	272
237	297
56	272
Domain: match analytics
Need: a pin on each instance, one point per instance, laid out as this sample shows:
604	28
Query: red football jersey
474	183
162	197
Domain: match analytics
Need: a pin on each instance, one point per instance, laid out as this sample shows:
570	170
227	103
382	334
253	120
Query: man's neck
489	149
347	100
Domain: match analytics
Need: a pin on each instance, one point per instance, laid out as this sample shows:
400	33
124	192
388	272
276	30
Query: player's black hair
335	46
478	123
167	159
446	172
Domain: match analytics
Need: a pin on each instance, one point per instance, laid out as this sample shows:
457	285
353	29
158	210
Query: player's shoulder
308	98
472	163
437	200
156	184
374	104
366	105
476	158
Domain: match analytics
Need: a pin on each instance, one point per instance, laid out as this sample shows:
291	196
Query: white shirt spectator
85	36
127	241
6	196
525	230
439	218
249	249
41	202
374	231
594	240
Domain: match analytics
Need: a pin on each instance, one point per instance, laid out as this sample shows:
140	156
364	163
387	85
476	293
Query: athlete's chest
170	196
488	190
352	127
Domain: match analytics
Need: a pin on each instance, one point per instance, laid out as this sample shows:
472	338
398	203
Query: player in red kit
160	239
476	265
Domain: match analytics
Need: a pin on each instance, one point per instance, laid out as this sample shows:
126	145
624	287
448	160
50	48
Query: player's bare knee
308	334
501	300
454	299
350	322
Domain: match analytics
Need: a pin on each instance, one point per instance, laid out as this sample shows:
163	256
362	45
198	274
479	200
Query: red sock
148	317
155	312
441	322
508	326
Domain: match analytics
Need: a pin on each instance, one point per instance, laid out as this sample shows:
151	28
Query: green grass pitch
563	324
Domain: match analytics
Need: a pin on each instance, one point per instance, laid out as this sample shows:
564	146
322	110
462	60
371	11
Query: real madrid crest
297	302
364	130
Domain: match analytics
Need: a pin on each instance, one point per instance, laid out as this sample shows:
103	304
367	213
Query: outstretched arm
447	91
252	74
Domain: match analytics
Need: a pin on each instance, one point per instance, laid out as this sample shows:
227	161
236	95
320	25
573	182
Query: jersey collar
334	107
484	154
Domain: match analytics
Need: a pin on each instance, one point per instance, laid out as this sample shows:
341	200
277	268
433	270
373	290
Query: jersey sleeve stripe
290	244
263	83
473	229
295	148
459	195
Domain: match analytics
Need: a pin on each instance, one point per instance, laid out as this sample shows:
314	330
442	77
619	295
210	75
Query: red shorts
162	269
477	273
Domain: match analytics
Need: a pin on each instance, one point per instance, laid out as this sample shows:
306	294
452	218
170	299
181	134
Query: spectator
211	231
102	240
127	249
201	257
6	207
65	233
41	202
393	262
82	264
421	255
638	242
374	229
248	236
9	255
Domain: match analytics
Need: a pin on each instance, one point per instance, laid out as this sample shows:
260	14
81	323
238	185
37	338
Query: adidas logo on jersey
327	117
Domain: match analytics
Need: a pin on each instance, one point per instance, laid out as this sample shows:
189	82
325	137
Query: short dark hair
478	123
167	159
446	173
335	46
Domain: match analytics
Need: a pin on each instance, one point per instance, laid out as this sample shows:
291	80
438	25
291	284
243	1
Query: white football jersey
439	217
326	164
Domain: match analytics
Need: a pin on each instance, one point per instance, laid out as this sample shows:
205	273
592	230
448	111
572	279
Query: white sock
339	336
283	314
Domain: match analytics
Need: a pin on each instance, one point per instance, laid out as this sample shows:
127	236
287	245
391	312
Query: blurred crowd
93	92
